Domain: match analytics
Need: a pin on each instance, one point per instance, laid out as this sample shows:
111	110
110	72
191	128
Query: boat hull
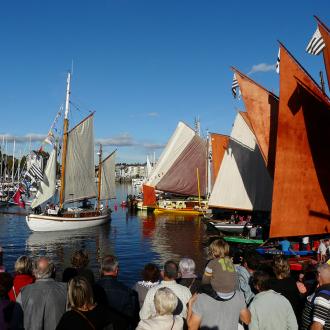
41	222
177	211
229	227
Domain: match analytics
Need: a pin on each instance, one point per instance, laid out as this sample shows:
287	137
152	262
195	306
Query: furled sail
262	108
181	178
80	171
108	184
177	143
47	187
219	144
243	181
326	50
301	196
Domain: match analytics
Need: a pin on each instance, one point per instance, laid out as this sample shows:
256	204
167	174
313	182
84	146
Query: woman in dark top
286	285
188	277
83	313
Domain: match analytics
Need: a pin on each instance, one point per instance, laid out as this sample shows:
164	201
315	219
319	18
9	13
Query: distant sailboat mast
13	165
99	178
65	139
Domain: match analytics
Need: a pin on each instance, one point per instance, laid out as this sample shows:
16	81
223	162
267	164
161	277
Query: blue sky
142	65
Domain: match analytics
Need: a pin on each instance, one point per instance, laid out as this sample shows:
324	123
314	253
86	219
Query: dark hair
260	280
6	282
79	259
151	273
171	269
252	260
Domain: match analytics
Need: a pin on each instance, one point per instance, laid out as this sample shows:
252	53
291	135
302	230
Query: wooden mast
65	139
99	179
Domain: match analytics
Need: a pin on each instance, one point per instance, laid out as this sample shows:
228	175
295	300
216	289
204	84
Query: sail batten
301	196
48	185
80	172
243	182
108	184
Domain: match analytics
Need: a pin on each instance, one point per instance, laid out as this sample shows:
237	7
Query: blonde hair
80	293
281	267
165	301
23	265
219	248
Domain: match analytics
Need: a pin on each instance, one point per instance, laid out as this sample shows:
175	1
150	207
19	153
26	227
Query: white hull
42	222
230	228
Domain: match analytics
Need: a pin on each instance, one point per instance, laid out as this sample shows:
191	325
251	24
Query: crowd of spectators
237	290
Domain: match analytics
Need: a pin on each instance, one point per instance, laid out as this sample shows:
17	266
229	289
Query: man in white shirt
323	250
183	293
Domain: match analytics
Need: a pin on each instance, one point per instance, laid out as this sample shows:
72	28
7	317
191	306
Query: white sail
148	168
48	185
108	184
243	181
79	169
177	143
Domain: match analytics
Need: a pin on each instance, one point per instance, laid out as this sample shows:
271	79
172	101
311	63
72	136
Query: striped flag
36	172
234	86
277	67
316	44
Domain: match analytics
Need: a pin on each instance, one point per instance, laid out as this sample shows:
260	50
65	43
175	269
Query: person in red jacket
23	276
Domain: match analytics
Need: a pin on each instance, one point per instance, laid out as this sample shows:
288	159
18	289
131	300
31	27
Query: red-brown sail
149	195
301	196
325	33
262	108
219	143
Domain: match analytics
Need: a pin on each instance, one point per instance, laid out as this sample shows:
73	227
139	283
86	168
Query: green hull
242	240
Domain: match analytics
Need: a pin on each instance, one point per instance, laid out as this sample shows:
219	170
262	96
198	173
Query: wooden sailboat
180	170
77	181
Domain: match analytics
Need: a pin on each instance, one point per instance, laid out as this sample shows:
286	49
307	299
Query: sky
142	65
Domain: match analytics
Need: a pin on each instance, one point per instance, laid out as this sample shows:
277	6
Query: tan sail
262	108
301	196
80	171
108	184
243	181
325	33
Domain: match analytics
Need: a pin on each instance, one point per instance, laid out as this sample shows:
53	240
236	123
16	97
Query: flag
17	198
277	67
35	172
316	45
234	86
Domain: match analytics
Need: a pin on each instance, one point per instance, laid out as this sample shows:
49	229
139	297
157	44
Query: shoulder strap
85	318
191	284
172	323
14	291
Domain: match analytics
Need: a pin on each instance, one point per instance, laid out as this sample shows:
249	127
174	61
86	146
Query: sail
148	168
181	178
301	196
219	143
262	108
47	187
243	181
80	171
149	195
326	50
108	184
176	144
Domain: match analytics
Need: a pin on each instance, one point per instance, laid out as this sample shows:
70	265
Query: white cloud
153	146
262	67
33	137
153	114
122	140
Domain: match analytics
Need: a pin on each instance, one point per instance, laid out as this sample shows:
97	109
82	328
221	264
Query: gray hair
165	301
109	264
187	266
44	268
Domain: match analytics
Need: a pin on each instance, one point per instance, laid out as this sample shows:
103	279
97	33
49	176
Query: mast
209	162
13	165
2	145
65	138
99	178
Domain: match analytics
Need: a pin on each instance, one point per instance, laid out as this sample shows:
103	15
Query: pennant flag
234	86
316	45
36	172
17	198
277	67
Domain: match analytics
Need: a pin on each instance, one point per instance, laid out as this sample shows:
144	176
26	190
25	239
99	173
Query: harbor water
136	238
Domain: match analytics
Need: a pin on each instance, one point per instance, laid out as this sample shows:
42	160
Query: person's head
151	273
80	293
187	268
251	261
171	270
165	301
6	282
110	265
44	268
79	259
323	274
281	267
219	248
326	242
260	281
23	265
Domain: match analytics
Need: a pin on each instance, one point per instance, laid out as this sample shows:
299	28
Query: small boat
290	253
229	227
77	181
242	240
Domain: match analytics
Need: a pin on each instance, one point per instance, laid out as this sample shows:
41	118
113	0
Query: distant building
128	172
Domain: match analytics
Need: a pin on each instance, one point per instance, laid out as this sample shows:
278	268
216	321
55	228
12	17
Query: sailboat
180	170
77	181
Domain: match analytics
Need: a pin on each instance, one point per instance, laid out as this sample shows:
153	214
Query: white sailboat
77	181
